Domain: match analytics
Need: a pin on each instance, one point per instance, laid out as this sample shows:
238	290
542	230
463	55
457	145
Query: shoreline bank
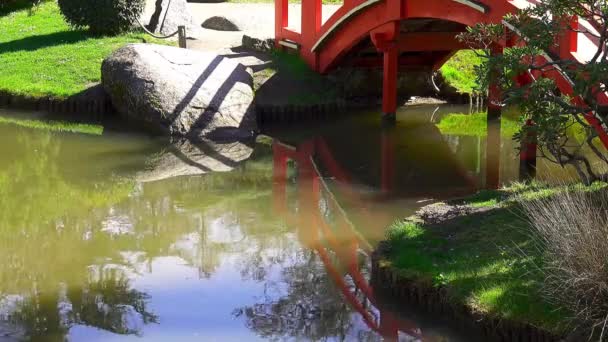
476	261
436	300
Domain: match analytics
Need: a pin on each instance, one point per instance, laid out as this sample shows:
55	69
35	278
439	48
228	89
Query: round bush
102	16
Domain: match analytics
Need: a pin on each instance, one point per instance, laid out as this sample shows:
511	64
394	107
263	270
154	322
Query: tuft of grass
570	229
475	125
487	259
42	56
53	126
459	71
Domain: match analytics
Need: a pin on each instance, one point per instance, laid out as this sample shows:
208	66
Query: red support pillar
281	19
308	192
279	178
389	327
385	39
311	25
568	42
389	84
388	160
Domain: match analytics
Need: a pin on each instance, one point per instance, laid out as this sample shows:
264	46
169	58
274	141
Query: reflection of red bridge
339	248
418	34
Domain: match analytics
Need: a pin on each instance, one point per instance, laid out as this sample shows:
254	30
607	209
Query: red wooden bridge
419	34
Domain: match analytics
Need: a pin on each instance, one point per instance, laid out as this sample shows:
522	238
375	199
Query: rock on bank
181	92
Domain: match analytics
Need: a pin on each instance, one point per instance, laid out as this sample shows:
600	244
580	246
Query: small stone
220	24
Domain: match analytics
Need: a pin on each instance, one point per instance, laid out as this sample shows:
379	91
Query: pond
114	235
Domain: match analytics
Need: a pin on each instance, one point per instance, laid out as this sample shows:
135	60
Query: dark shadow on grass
7	7
34	43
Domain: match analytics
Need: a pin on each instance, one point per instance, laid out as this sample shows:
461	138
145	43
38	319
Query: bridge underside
423	44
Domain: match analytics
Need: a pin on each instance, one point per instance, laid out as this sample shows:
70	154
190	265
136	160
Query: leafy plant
7	6
531	55
102	16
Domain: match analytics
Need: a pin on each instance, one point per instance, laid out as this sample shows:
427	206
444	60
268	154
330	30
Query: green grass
303	85
41	55
459	71
475	125
487	259
53	126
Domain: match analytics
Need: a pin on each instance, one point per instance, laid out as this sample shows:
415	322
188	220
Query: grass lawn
486	259
476	124
459	71
53	125
41	55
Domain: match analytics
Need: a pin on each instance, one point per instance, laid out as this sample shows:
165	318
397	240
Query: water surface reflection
102	239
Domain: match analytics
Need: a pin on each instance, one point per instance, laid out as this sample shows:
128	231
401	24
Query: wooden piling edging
433	300
93	107
296	113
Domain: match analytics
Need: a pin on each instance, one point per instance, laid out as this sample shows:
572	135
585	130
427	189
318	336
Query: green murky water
122	236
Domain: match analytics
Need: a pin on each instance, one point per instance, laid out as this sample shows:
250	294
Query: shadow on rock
180	92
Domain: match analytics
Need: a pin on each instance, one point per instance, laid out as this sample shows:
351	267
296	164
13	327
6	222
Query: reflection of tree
109	303
311	309
63	235
71	242
50	233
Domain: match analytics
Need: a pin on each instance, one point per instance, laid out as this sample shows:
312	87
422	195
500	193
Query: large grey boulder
186	158
181	92
169	14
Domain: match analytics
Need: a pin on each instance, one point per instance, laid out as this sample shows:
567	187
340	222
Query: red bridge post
281	19
385	39
311	25
568	42
388	160
389	328
279	177
389	84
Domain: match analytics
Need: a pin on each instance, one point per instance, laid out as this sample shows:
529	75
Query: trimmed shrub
7	6
102	16
571	230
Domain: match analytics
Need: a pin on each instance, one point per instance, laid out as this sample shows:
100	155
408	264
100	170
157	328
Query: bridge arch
338	36
323	46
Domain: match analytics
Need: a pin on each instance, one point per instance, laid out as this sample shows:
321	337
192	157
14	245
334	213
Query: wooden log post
183	39
494	127
527	153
